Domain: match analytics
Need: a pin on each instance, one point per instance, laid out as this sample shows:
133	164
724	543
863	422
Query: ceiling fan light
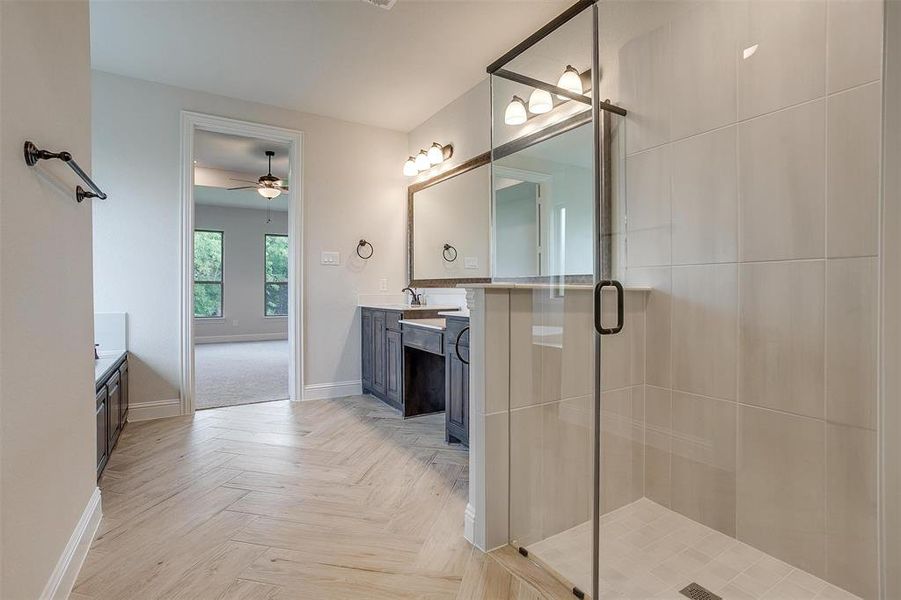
570	81
410	167
269	192
436	154
540	102
516	112
422	161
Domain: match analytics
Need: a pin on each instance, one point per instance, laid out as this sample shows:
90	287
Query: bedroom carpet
234	373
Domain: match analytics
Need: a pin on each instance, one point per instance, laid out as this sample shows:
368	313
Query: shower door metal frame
602	198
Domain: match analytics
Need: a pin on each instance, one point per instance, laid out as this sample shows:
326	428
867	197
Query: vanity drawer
391	320
424	339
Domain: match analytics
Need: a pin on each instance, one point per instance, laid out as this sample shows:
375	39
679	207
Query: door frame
190	122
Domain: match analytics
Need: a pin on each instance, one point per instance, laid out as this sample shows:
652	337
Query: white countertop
500	285
407	307
435	324
104	363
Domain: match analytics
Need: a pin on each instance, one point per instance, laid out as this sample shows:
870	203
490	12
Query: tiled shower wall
752	188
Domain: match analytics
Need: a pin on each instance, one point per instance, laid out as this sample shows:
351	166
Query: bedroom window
207	274
275	286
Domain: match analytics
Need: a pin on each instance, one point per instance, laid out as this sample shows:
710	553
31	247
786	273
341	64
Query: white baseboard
61	581
337	389
469	523
247	337
155	409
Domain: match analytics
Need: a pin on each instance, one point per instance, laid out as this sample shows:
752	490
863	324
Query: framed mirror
449	226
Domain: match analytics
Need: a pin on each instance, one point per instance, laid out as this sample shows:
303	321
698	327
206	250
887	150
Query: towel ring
447	249
363	244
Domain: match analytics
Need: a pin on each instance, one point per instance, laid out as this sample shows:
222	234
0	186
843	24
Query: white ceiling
214	196
239	153
340	58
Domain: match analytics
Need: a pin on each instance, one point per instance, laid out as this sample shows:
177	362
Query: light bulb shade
410	167
422	161
436	154
269	192
516	112
570	81
540	102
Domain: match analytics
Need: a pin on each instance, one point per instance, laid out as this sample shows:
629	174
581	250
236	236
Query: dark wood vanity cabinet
456	393
382	356
112	410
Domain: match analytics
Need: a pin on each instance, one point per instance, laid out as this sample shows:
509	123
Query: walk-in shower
720	159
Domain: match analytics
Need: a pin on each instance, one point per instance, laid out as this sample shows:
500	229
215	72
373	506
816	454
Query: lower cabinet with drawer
112	410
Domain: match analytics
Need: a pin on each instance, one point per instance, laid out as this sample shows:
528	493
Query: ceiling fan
269	186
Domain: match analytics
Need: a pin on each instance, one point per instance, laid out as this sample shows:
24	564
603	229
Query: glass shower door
553	240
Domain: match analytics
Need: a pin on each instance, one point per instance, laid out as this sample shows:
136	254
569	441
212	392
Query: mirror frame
473	163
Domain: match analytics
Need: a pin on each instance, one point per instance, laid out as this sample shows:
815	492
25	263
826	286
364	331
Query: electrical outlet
383	285
331	259
471	262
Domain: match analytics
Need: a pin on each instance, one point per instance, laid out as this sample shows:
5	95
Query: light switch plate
471	262
332	259
383	285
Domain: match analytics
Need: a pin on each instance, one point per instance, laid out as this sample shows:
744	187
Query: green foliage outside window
276	284
207	274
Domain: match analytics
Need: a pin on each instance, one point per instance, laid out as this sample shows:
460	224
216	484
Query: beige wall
353	188
47	426
752	197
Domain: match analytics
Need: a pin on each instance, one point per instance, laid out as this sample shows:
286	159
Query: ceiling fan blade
244	180
246	187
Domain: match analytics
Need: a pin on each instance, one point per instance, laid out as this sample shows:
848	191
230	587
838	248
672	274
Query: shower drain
697	592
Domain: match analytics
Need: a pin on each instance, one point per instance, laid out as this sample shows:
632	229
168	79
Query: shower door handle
620	312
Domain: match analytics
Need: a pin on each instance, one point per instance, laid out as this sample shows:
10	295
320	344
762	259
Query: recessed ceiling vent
386	4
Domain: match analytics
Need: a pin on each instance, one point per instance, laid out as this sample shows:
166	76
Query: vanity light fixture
435	154
540	102
570	81
516	112
426	159
422	161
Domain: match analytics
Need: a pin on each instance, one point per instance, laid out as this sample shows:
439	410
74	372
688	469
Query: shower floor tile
648	551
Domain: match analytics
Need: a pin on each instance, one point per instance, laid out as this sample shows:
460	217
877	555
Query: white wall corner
61	581
155	409
335	389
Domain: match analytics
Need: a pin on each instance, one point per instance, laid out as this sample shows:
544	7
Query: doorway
241	267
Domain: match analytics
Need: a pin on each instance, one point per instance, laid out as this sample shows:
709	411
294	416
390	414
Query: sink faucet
416	298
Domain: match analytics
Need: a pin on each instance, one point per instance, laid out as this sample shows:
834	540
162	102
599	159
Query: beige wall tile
616	350
704	42
782	182
789	65
780	506
851	540
648	185
657	322
854	37
578	357
622	447
703	457
497	478
645	76
526	438
497	348
704	315
657	444
783	336
525	353
851	339
705	198
852	202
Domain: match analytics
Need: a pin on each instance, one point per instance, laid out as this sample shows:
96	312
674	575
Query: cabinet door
395	360
123	394
113	398
367	346
101	430
457	394
379	350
